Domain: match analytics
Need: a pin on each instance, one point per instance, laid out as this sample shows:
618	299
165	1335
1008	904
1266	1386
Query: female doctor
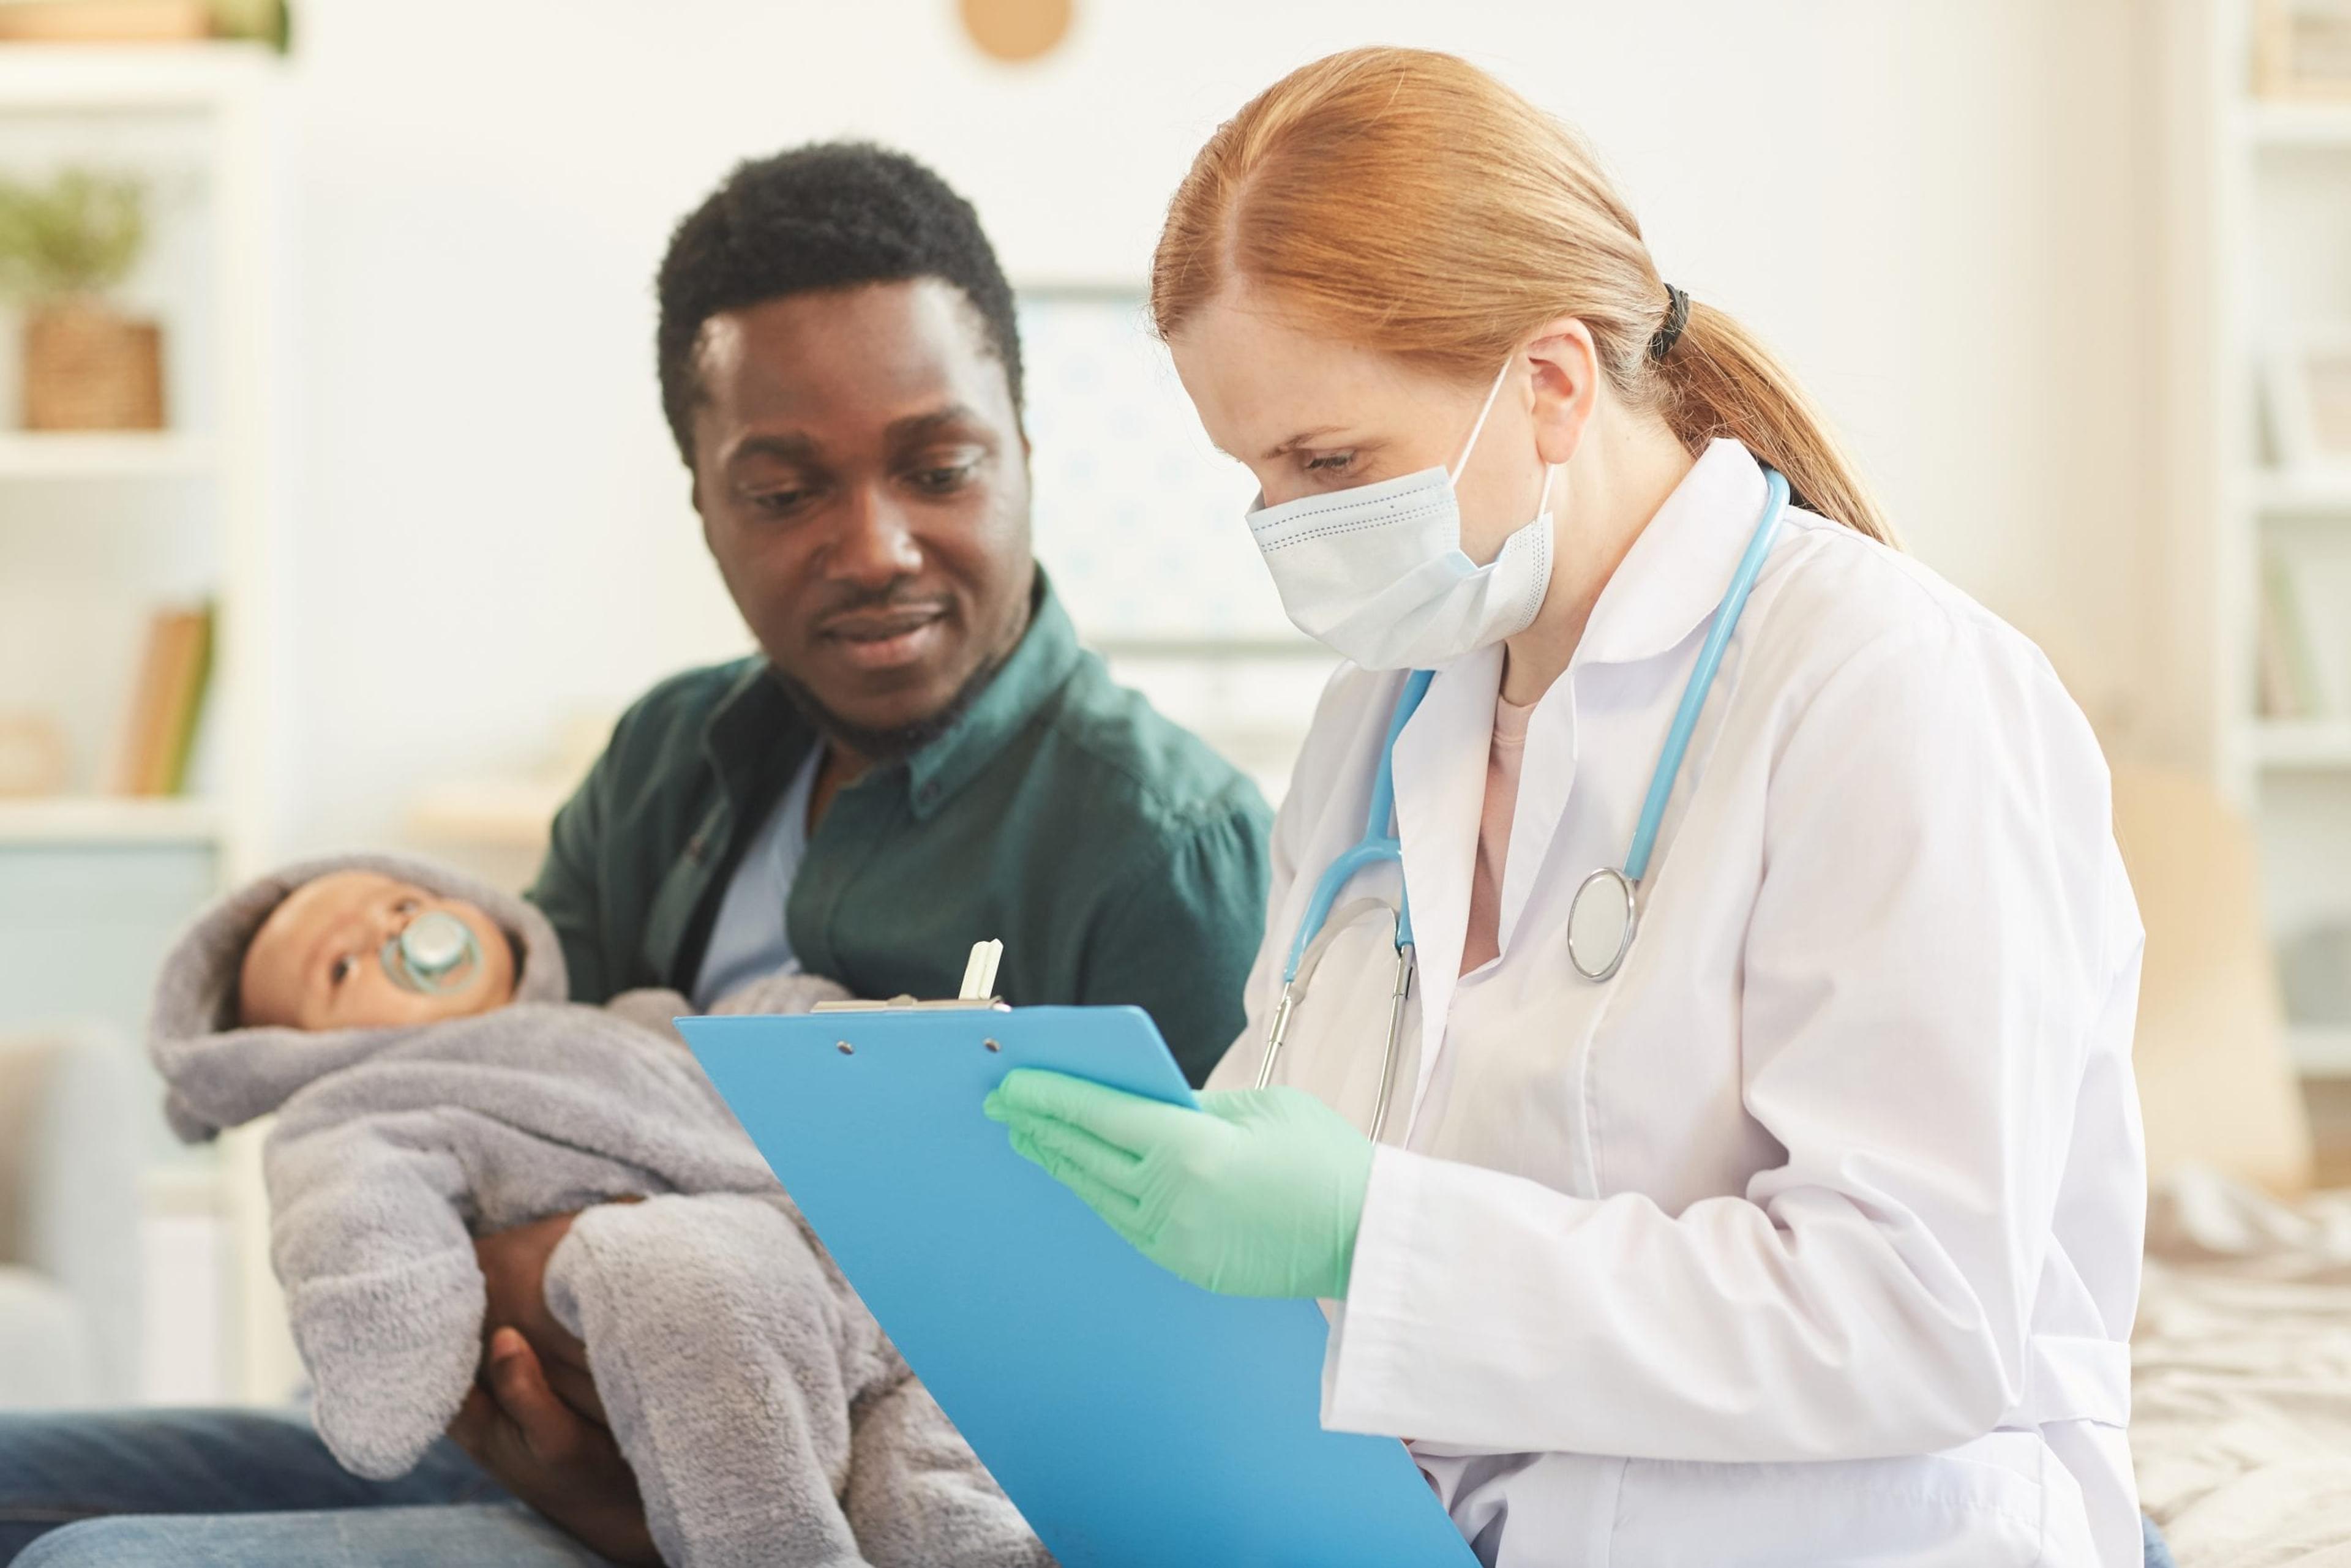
1752	1173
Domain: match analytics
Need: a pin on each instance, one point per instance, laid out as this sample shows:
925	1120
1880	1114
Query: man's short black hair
832	214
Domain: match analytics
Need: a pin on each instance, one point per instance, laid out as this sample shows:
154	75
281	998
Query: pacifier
433	955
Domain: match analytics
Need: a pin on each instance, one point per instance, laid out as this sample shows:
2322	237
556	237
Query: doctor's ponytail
1409	203
1717	379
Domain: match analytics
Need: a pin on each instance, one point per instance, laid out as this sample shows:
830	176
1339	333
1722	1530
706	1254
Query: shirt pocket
1985	1504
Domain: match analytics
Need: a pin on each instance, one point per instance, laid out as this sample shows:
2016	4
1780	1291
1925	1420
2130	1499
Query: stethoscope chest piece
1599	924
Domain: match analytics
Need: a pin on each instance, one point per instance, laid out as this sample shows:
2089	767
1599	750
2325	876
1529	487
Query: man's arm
1178	938
562	1464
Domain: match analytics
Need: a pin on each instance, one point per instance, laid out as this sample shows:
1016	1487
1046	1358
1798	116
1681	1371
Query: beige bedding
2241	1389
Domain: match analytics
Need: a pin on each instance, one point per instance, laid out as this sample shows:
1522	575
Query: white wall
1942	210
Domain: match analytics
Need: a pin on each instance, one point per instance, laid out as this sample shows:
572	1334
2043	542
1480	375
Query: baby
409	1030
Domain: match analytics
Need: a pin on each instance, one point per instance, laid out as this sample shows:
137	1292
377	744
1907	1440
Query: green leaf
79	235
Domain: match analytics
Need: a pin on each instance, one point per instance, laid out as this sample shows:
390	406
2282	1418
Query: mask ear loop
1551	470
1454	473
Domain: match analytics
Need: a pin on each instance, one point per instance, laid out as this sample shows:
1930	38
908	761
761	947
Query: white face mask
1377	574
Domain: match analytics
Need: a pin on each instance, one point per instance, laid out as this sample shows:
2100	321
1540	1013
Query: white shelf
2320	1050
103	454
209	117
106	819
2299	125
2311	743
2319	493
491	813
84	77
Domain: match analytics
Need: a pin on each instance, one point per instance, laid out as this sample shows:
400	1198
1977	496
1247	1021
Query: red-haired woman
1753	1174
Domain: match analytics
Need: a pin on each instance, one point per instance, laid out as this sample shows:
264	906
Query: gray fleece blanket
766	1417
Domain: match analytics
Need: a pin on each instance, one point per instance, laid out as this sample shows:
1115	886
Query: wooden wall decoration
1016	31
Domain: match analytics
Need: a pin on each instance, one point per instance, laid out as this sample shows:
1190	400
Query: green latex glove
1258	1193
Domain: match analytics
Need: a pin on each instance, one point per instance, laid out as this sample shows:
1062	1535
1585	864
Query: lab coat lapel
1673	579
1440	783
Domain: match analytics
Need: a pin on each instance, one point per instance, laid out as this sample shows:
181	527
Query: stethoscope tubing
1381	841
1702	673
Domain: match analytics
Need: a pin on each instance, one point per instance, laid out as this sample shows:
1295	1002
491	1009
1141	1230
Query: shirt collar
756	721
753	740
1038	668
1673	577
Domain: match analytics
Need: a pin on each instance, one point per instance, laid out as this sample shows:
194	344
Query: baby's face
315	964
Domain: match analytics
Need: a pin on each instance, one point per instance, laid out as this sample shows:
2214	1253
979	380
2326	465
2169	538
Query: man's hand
514	1267
534	1419
549	1456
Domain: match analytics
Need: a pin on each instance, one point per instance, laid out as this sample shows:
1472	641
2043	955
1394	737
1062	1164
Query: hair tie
1676	317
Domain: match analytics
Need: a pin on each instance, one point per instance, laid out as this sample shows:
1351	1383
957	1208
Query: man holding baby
920	756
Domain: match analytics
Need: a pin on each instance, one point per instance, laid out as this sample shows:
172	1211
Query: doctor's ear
1566	380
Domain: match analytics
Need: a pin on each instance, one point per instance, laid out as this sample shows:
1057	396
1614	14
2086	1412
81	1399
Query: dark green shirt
1118	857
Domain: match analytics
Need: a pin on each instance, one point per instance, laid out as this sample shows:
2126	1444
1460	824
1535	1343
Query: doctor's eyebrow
1301	439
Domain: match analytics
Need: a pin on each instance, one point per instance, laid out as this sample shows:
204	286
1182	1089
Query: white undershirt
749	939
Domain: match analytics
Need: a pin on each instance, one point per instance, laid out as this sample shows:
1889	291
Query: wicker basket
90	368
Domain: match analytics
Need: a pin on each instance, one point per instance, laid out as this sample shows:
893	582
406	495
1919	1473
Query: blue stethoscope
1605	913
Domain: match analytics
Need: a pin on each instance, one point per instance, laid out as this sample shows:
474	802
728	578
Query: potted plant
63	245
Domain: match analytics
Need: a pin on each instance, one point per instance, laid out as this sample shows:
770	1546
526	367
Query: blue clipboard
1136	1421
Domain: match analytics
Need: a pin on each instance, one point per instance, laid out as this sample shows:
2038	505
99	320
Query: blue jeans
244	1488
241	1488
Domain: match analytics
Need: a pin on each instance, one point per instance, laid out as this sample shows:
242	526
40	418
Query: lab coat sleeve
1931	940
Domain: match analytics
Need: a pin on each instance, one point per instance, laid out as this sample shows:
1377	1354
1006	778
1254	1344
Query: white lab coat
1812	1237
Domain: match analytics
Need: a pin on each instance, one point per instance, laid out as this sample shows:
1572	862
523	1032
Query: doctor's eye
343	968
1331	464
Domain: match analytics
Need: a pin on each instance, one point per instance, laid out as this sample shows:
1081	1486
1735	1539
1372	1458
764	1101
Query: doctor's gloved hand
1258	1193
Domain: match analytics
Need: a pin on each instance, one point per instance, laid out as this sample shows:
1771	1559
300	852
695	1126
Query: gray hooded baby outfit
764	1415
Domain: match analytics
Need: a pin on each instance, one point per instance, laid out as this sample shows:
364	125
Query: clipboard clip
977	992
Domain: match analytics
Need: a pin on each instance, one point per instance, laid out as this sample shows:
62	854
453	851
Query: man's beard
881	747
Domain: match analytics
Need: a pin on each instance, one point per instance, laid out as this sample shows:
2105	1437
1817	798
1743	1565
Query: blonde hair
1409	203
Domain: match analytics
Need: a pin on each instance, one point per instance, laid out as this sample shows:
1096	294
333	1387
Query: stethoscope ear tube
1397	1000
1310	960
